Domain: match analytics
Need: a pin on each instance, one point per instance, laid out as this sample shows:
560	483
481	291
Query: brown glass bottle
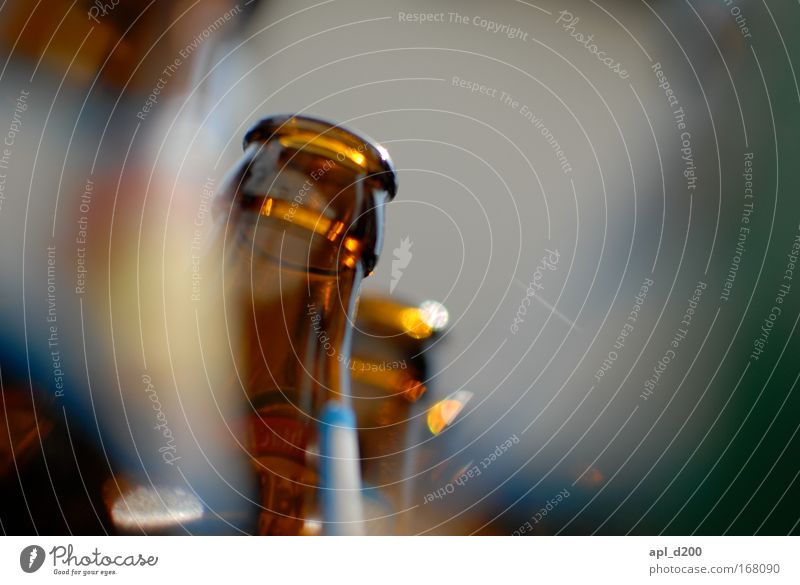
300	223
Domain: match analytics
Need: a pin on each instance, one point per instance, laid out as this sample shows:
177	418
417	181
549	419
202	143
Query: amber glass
300	223
390	369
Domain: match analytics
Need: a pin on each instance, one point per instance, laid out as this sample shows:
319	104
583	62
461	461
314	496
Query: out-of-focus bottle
391	368
299	223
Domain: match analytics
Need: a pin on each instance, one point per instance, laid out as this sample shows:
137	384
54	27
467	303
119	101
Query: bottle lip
377	161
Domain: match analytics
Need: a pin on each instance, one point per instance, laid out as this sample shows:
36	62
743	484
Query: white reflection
147	507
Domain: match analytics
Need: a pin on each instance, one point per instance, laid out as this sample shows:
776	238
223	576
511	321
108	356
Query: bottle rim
377	163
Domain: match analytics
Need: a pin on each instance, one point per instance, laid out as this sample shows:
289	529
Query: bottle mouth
328	139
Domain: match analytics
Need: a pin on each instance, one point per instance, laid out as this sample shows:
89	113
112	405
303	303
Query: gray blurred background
514	143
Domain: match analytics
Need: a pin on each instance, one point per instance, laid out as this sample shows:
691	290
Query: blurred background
603	195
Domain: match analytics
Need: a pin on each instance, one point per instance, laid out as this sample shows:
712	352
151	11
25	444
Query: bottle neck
296	333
